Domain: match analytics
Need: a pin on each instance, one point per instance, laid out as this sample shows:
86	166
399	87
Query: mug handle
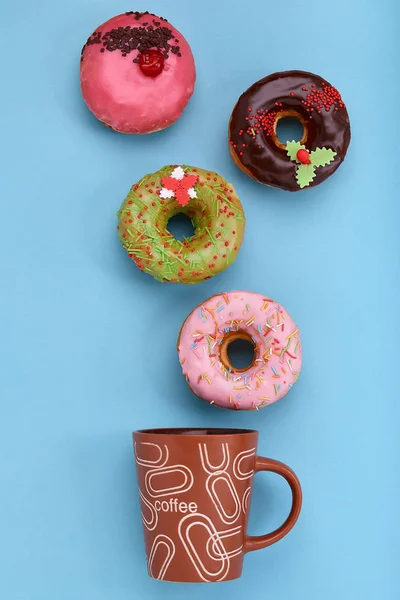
262	541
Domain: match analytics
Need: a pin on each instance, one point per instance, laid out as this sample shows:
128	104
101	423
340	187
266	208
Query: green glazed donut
214	209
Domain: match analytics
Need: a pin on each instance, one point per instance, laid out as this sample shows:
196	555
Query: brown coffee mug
195	490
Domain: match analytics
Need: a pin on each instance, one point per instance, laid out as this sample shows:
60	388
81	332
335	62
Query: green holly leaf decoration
320	157
304	175
292	149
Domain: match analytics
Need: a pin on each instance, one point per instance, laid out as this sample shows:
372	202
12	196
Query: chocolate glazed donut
255	147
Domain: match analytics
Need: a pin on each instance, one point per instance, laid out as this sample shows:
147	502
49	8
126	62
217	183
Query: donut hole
241	354
289	126
181	226
238	351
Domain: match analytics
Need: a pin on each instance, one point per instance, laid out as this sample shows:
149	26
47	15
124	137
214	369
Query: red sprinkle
316	99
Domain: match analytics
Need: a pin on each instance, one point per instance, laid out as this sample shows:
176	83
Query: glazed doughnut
137	73
203	350
207	199
255	147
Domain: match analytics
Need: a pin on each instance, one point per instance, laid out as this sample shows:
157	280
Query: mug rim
199	431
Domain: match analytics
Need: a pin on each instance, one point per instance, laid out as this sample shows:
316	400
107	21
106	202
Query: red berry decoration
151	62
303	156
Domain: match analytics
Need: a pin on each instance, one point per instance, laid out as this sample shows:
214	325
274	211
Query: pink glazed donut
203	343
137	73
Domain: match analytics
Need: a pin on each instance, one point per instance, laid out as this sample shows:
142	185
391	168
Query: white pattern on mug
211	482
237	462
200	520
245	500
152	523
185	486
159	462
159	541
206	464
212	546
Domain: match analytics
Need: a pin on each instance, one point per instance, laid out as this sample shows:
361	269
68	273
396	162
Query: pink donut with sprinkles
137	73
203	350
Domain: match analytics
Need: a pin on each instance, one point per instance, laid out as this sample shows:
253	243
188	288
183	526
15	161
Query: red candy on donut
151	62
303	156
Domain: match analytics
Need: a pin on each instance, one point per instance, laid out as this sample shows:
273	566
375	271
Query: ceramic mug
195	491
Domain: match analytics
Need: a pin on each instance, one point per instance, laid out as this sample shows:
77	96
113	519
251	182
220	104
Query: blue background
88	343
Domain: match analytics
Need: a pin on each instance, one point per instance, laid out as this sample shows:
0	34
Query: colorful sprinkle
256	384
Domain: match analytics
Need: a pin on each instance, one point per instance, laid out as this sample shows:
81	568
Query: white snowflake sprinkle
178	173
164	193
192	193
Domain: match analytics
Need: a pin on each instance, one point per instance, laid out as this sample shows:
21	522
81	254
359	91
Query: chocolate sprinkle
138	15
95	38
144	37
126	39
